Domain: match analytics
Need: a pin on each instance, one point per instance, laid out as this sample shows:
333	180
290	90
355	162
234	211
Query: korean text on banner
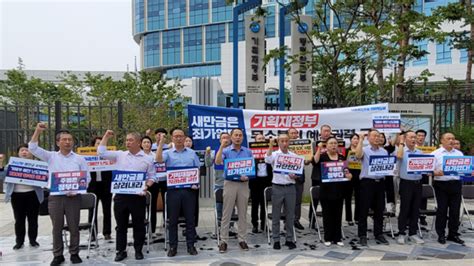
420	164
235	168
259	149
302	147
333	172
128	182
457	165
92	150
63	183
182	177
27	172
387	123
97	164
288	164
380	165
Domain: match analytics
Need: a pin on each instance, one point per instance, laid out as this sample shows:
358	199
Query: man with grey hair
134	159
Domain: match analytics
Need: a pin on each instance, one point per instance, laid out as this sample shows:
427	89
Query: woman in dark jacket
354	166
332	194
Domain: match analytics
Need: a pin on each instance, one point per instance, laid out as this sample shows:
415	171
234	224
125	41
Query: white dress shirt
439	155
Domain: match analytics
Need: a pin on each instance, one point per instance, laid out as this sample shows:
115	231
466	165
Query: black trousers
102	190
124	206
25	206
332	219
424	202
372	195
257	187
389	189
352	190
448	197
316	202
410	201
155	190
177	200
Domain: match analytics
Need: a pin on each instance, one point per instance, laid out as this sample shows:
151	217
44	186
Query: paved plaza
309	249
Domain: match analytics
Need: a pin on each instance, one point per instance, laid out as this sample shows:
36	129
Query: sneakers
290	245
243	245
223	247
276	245
327	243
416	239
340	243
401	239
390	207
75	259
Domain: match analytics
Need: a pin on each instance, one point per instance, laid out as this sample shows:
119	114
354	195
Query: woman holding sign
334	186
25	203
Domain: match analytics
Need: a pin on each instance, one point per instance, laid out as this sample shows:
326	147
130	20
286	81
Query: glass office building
183	37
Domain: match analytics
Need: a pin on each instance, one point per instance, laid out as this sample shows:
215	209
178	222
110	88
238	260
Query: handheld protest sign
386	123
259	149
160	169
333	172
27	172
92	150
380	165
288	164
426	149
235	168
128	182
63	183
457	165
97	164
182	177
353	162
302	147
420	164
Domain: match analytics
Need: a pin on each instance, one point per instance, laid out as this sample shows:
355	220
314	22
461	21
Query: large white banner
207	123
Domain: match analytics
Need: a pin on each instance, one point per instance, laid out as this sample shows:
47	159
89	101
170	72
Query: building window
198	12
215	35
288	25
139	16
240	30
192	45
422	61
221	11
192	72
270	22
443	53
463	58
171	47
152	49
176	13
156	15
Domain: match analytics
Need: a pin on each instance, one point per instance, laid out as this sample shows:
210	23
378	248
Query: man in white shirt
59	206
283	192
448	190
134	159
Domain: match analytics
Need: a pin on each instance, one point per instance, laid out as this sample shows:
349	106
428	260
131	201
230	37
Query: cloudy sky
93	35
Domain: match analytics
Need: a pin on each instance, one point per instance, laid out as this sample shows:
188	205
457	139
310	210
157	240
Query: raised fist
109	133
41	127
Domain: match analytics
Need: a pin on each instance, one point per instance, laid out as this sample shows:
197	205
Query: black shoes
363	241
57	260
172	252
455	239
222	247
380	239
442	240
18	246
121	255
423	221
255	230
290	245
298	225
138	255
192	251
75	259
276	245
34	244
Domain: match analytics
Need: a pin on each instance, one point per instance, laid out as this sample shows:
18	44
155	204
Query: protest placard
380	165
182	177
426	149
353	162
259	149
98	164
235	168
128	182
288	164
302	147
92	150
457	165
387	123
63	183
333	172
420	164
27	172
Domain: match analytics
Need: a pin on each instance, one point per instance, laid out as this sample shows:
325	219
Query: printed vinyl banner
63	183
128	182
27	172
388	123
206	123
457	165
